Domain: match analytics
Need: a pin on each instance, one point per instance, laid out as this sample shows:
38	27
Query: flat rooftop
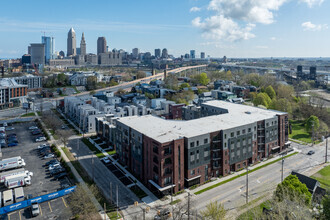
163	130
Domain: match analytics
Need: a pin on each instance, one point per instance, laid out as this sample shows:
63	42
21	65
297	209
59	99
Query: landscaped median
242	174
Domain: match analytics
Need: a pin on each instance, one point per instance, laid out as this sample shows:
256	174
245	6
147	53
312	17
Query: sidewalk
75	173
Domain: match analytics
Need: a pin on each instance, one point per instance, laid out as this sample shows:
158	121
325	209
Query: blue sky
235	28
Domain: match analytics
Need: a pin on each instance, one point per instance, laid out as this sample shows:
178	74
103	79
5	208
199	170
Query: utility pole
93	166
111	193
247	184
282	168
312	133
105	212
188	205
326	149
117	199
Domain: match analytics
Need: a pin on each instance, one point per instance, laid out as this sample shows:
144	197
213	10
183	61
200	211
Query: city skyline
278	28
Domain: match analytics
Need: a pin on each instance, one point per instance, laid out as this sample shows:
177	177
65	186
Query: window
225	145
238	133
205	141
238	166
192	144
225	136
192	156
155	149
192	172
267	124
155	169
255	128
155	159
197	155
238	153
243	132
232	134
197	143
225	153
206	153
167	151
168	161
249	130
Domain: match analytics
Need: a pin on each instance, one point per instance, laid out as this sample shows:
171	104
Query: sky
232	28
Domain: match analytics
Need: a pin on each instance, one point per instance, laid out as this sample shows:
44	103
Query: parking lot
42	183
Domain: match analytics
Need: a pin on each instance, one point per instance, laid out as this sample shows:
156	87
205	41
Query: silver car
35	211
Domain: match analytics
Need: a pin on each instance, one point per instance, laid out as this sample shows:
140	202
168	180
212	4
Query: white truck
19	194
11	163
17	181
3	175
7	197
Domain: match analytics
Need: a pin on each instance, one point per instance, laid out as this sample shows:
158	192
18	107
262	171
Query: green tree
270	92
91	83
171	82
140	75
285	91
214	211
292	188
113	83
283	105
326	206
184	85
312	121
203	79
262	99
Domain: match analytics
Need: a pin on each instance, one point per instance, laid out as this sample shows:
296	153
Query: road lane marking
50	207
64	202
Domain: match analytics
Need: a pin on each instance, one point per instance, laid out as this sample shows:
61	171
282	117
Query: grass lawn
323	176
254	212
138	191
299	132
30	114
111	152
91	146
175	202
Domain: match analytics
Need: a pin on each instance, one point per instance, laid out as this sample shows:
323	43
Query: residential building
168	154
71	43
37	54
101	45
80	78
11	93
49	43
33	82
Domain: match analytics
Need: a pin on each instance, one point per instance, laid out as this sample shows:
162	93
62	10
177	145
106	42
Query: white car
106	160
39	139
42	146
49	156
54	166
33	127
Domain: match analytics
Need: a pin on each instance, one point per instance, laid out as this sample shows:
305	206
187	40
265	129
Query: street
263	181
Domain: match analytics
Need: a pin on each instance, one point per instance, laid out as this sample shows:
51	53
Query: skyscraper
192	54
135	53
72	51
38	54
157	53
202	55
49	43
101	45
164	53
82	45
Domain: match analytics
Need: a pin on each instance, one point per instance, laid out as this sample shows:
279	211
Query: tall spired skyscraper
82	45
72	50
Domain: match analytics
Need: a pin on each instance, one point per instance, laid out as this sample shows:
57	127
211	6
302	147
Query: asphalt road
263	181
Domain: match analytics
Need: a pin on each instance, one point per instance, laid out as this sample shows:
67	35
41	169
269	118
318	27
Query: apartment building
11	93
168	154
33	82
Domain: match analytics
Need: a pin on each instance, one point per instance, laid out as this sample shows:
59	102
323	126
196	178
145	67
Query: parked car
43	146
54	166
57	171
33	127
60	176
39	139
12	144
49	156
36	132
35	209
2	135
52	162
10	128
13	141
11	135
311	152
106	160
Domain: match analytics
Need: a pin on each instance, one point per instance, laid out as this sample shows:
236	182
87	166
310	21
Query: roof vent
247	112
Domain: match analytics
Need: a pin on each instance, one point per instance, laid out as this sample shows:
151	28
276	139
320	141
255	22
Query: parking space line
50	207
19	213
10	215
64	202
40	210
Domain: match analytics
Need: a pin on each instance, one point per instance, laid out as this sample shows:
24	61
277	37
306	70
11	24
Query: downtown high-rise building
49	43
101	45
202	55
135	53
192	54
164	53
157	53
37	52
83	45
71	43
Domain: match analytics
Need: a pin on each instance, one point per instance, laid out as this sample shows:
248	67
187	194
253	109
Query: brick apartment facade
168	155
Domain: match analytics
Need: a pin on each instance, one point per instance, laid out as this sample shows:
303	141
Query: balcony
216	157
216	149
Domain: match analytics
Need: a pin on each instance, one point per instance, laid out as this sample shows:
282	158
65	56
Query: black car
11	135
51	162
60	176
311	152
57	171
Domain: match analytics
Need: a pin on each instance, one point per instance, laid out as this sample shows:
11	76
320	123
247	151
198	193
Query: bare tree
64	136
81	205
214	211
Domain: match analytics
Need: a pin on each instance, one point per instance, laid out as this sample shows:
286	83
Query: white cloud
262	47
309	26
273	38
311	3
234	20
195	9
